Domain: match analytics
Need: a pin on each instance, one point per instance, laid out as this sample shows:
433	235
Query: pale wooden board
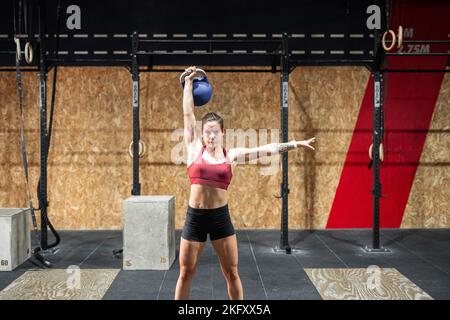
371	283
60	284
427	205
93	129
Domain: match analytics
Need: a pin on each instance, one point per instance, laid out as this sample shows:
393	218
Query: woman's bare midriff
206	197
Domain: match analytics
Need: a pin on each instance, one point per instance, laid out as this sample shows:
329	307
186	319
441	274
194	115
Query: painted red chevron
408	111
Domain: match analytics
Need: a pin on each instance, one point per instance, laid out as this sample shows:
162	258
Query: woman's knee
231	273
187	272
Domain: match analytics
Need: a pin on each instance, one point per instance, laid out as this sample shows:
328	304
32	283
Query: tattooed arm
242	155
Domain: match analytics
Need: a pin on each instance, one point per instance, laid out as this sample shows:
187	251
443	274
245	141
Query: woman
209	169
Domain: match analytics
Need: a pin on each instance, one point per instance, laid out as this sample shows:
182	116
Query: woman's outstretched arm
242	155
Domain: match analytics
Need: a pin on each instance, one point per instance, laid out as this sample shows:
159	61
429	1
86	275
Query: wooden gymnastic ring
142	149
28	53
383	40
18	51
400	36
381	154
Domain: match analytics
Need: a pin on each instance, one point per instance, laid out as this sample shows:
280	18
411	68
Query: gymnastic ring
142	149
18	52
381	154
383	40
200	72
400	36
28	53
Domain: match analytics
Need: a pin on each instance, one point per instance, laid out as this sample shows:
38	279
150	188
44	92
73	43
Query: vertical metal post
376	139
43	203
284	99
136	134
376	160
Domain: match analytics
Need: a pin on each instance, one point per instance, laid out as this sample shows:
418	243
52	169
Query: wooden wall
90	171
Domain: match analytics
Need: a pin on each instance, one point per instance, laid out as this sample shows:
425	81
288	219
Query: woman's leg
227	251
189	253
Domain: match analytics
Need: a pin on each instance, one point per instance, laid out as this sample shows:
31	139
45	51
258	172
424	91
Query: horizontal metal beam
21	70
326	62
209	53
415	70
93	62
207	41
422	41
429	54
214	70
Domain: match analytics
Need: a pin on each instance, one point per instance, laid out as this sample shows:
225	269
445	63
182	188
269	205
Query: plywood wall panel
90	171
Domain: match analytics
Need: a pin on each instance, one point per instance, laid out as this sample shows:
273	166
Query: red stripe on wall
408	109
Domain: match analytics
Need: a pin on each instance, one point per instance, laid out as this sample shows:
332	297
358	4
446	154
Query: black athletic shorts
200	222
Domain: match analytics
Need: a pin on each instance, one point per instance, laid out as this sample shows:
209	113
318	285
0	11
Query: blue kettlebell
201	88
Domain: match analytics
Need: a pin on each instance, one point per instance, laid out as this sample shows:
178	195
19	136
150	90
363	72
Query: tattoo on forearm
284	147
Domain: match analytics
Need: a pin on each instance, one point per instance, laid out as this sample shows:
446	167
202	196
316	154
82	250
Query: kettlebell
201	88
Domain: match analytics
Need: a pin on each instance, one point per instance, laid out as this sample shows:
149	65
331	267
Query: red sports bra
215	175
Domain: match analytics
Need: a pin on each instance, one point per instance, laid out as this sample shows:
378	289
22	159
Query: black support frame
377	131
284	116
281	58
43	202
136	190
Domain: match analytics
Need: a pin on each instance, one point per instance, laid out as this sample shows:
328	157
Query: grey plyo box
149	232
15	242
